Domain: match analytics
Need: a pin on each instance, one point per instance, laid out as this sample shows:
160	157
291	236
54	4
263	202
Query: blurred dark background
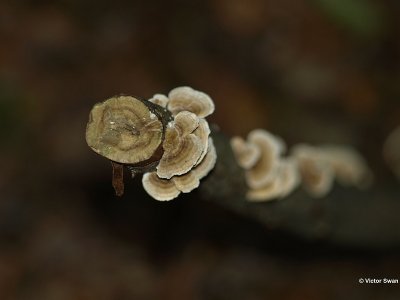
311	71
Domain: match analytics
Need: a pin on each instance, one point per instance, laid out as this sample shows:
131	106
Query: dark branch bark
118	178
346	217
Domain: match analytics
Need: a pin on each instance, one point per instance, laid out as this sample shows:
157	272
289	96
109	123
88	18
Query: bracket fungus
182	148
168	139
191	180
316	173
286	180
163	137
203	132
266	167
187	99
290	176
167	189
186	182
189	152
246	154
205	166
160	189
185	122
268	175
349	167
160	100
320	166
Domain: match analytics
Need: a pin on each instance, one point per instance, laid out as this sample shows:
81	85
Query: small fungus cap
186	182
160	100
203	132
265	169
270	191
191	180
186	122
316	173
158	188
182	149
290	176
349	167
187	99
286	180
246	154
124	130
209	161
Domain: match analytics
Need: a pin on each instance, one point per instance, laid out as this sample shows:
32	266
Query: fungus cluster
270	175
165	137
168	139
188	150
321	166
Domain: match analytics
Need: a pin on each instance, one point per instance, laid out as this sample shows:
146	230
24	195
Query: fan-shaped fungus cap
246	154
209	161
160	100
391	151
267	166
348	165
290	176
186	182
191	180
180	159
186	122
187	99
316	173
284	183
160	189
124	130
202	132
270	191
182	149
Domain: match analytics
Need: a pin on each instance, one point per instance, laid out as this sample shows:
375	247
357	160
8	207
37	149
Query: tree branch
346	217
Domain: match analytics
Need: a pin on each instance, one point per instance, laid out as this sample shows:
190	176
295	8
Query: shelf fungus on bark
268	175
167	189
128	132
246	154
187	99
160	189
349	167
286	180
205	166
266	167
202	132
316	173
182	148
160	100
290	176
321	166
191	180
165	137
189	152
